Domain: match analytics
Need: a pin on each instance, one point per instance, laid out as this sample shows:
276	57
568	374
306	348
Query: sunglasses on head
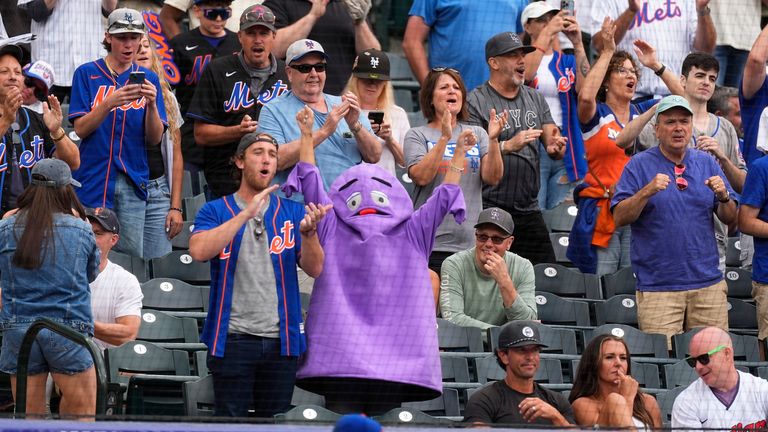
307	68
704	358
214	13
259	14
139	25
443	69
482	238
258	229
681	183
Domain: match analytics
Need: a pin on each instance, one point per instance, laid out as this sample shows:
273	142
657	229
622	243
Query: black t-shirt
335	31
496	403
223	97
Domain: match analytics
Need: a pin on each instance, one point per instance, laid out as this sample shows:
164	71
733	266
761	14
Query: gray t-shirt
450	237
724	133
254	299
519	186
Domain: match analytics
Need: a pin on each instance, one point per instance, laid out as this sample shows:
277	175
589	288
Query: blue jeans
50	352
156	243
732	63
555	187
130	210
252	374
616	255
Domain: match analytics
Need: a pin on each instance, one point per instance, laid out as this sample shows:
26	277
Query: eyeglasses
704	358
625	71
482	238
681	183
443	69
258	14
258	229
214	13
307	68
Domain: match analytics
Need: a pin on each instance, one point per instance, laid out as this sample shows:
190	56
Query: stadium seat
157	326
739	283
560	245
619	309
454	369
399	69
452	337
621	282
678	374
488	369
168	294
192	205
762	372
304	397
405	180
566	282
558	340
553	309
181	241
180	265
416	119
445	405
640	344
745	347
186	185
308	413
408	416
733	252
741	315
136	266
198	397
560	218
666	400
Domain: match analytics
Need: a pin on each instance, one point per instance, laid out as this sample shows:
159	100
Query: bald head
708	339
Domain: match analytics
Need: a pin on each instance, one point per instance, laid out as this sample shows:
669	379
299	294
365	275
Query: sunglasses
482	238
443	69
258	230
704	358
625	72
138	25
214	13
258	14
681	183
307	68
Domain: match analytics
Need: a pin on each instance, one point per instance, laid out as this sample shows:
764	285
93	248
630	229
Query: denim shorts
50	353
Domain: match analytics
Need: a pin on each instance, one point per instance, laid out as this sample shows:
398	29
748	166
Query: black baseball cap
258	15
371	64
252	138
503	43
105	217
521	333
497	217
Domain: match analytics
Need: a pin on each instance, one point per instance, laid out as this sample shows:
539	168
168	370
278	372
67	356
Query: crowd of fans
638	111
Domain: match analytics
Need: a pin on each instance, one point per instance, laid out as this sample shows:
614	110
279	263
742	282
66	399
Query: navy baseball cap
52	173
104	217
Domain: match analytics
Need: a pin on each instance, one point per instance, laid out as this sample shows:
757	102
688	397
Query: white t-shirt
737	22
115	293
671	29
547	86
400	125
233	23
696	407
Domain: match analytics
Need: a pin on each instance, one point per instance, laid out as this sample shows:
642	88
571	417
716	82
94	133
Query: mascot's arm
305	177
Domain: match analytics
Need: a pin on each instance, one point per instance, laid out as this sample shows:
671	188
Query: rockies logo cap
371	64
302	47
503	43
520	333
52	173
104	217
498	217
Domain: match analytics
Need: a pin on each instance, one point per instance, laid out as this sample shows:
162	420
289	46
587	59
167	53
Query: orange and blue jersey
281	221
118	144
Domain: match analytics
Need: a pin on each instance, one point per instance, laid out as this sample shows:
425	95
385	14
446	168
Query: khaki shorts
674	312
760	294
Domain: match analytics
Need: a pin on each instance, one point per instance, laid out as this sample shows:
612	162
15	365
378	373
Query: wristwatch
727	198
660	71
703	12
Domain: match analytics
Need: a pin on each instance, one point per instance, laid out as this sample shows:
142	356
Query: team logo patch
374	62
527	332
309	44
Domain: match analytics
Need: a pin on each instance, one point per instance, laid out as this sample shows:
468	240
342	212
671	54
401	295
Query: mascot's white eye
380	198
354	201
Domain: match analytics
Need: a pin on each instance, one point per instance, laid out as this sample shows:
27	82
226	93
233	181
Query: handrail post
74	336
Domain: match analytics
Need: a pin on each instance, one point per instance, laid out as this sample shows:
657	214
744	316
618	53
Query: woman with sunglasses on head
605	105
163	215
604	393
558	77
429	149
48	258
370	83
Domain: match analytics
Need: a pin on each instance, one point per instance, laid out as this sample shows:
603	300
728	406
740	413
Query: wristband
661	70
703	12
456	169
727	198
543	51
60	137
176	209
356	127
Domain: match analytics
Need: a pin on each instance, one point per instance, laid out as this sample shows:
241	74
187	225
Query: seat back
170	294
666	400
560	218
745	347
733	252
137	266
198	397
640	344
560	245
409	416
553	309
646	374
309	413
192	205
741	315
679	374
452	337
180	265
158	326
623	281
566	282
619	309
445	405
181	241
139	357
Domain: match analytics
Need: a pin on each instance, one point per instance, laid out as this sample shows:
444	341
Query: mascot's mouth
369	211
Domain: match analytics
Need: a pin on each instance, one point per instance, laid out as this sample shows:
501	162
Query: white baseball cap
42	71
535	10
302	47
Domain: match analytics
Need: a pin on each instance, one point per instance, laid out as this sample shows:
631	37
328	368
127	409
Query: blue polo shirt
755	194
673	245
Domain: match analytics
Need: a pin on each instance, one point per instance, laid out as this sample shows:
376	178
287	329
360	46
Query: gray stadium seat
745	347
557	310
566	282
445	405
560	245
157	326
408	416
452	337
168	294
646	374
621	282
192	205
666	400
198	397
181	241
733	252
308	413
739	283
640	344
560	218
180	265
619	309
741	315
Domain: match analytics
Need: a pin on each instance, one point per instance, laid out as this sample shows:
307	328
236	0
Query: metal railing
74	336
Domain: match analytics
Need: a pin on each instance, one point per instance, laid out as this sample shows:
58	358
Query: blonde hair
386	99
169	99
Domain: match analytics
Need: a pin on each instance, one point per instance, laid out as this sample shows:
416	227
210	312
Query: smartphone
376	116
567	5
136	78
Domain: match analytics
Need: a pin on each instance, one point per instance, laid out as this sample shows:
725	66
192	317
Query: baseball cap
258	15
14	50
519	333
503	43
105	217
302	47
497	217
42	71
371	64
251	138
52	173
535	10
356	423
125	20
669	102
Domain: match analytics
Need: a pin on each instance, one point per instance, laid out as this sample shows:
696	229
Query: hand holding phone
568	6
136	78
376	116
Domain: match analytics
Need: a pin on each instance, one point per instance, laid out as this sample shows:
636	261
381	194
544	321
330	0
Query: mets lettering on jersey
287	241
241	96
644	16
28	158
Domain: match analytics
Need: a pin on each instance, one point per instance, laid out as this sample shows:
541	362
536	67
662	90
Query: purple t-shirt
673	245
